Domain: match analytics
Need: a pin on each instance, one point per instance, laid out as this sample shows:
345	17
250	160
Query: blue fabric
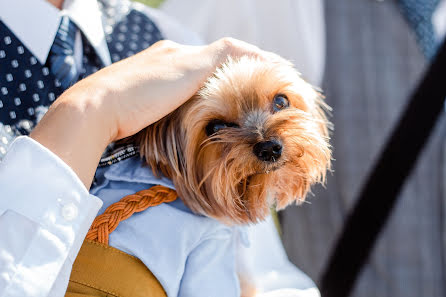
419	13
22	77
191	255
61	57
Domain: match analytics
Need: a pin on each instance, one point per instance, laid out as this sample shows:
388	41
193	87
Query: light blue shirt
191	255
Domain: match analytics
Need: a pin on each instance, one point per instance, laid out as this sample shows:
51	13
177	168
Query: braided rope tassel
105	223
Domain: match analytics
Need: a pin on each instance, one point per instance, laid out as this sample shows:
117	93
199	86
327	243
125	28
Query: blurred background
367	56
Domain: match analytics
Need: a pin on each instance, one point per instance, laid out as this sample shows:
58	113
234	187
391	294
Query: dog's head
254	135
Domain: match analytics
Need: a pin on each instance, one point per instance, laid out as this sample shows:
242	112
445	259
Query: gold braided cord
105	223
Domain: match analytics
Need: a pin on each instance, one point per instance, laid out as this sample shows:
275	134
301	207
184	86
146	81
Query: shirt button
69	211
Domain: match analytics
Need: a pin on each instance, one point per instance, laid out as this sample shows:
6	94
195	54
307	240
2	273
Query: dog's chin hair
219	176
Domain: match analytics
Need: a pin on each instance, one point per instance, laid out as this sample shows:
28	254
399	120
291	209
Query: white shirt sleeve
45	212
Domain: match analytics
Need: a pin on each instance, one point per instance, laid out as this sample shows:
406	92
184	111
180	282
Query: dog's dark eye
280	102
215	126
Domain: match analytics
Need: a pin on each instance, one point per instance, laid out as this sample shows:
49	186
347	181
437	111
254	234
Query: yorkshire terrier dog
255	136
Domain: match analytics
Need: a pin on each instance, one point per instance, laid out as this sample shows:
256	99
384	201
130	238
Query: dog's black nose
269	151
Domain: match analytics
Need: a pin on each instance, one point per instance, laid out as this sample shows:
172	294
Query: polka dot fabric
132	35
27	88
24	82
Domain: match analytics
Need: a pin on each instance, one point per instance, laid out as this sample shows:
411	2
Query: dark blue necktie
61	57
418	14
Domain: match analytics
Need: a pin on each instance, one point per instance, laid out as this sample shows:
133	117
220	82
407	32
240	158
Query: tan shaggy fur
219	175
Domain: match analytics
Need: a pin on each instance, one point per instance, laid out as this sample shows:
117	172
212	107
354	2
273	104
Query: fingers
235	48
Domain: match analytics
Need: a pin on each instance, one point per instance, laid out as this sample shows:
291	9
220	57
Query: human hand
155	82
127	96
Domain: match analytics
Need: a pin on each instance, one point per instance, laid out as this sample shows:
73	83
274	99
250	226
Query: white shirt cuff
45	212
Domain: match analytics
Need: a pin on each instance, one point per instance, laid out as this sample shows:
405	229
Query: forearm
76	128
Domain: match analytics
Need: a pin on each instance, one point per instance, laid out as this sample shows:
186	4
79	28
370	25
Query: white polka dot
94	69
9	77
110	21
1	103
121	37
17	101
147	36
4	91
12	114
69	60
108	29
28	73
109	38
7	40
110	11
22	87
20	49
51	96
149	27
30	111
45	71
145	44
123	28
36	97
119	47
130	53
136	28
115	57
15	63
2	54
25	124
40	84
33	60
57	83
134	37
137	19
133	45
124	9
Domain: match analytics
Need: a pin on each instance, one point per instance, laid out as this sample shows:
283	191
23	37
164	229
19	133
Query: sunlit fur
219	176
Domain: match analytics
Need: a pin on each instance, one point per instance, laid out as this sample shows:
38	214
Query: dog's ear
168	151
161	145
